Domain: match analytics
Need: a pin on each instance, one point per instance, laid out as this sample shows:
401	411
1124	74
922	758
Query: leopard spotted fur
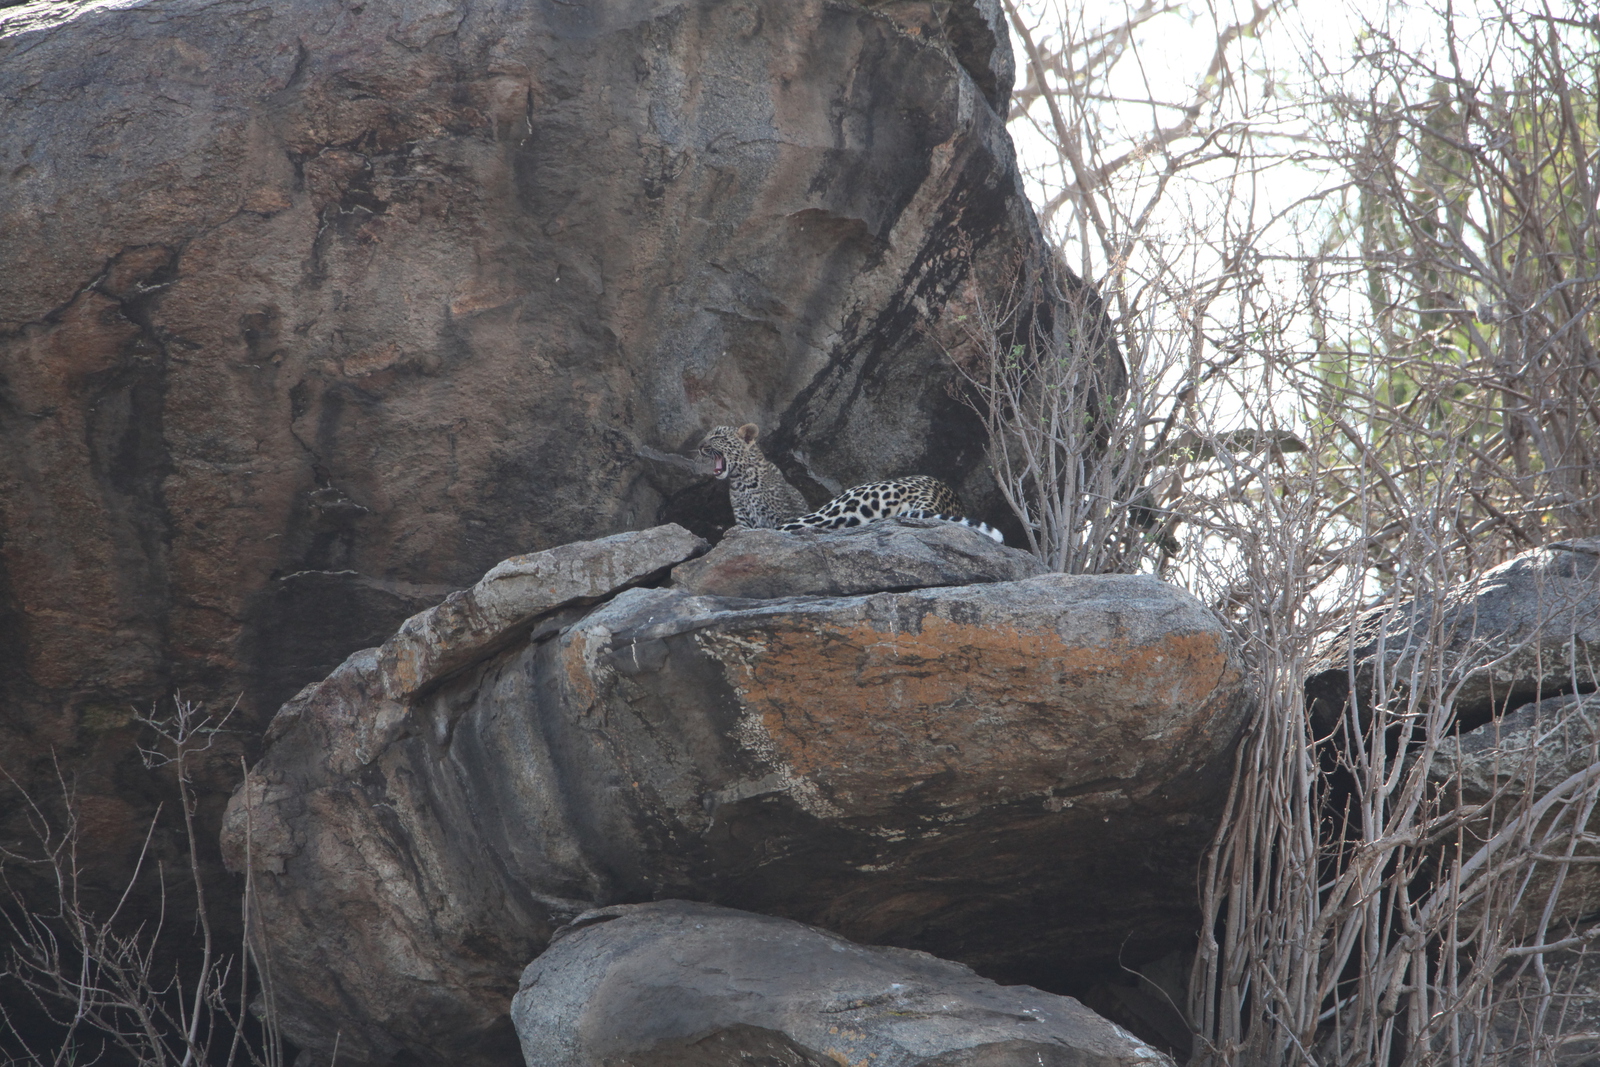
761	496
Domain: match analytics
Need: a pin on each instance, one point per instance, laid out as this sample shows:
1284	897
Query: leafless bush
1388	386
1362	912
1071	431
98	978
1467	224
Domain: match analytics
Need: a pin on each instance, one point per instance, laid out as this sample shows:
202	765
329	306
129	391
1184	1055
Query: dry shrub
1372	396
99	979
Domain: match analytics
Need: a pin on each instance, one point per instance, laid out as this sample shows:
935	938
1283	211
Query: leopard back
763	499
882	500
918	496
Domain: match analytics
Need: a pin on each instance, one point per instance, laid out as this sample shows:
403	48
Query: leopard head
729	448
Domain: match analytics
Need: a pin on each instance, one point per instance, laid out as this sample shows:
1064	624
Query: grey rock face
1512	636
313	311
1520	758
1568	1035
1534	747
676	983
340	841
895	554
1020	775
1507	644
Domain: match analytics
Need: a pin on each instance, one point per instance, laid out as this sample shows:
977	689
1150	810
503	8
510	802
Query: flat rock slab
1512	634
1520	758
1054	687
473	623
886	555
909	768
1019	775
675	984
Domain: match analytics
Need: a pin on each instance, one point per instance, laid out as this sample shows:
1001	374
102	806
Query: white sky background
1169	60
1165	65
1304	51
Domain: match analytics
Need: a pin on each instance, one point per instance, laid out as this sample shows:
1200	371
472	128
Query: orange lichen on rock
858	707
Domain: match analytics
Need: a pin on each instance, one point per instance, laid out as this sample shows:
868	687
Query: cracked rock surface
1019	775
312	311
1512	635
677	984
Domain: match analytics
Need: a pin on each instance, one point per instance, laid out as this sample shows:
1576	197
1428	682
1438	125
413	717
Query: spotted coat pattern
917	495
762	499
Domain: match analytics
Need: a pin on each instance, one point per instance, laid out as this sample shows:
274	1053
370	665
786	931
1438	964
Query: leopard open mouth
719	463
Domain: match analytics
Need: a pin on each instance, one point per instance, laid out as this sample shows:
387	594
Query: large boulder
312	311
690	985
331	799
1513	635
1500	773
1019	775
1515	649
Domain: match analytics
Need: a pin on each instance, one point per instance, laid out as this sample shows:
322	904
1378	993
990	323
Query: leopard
763	499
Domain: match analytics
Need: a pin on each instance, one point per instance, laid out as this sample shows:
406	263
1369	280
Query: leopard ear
748	432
